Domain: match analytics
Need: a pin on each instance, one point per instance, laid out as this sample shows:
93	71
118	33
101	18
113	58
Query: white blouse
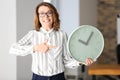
50	63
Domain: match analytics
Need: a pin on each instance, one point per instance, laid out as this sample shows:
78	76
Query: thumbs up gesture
43	47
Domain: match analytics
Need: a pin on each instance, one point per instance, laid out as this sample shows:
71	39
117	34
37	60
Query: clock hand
89	37
82	42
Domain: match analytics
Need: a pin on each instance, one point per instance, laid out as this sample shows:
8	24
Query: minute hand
89	37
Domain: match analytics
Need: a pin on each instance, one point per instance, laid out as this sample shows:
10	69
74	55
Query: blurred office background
16	17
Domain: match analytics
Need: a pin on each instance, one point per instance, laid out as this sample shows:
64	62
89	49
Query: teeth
46	20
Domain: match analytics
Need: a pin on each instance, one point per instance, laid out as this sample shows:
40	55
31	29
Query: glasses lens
42	14
49	13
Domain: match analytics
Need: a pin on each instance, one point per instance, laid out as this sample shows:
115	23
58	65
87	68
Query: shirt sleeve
67	59
24	46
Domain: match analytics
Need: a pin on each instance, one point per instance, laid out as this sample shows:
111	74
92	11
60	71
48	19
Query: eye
41	13
49	12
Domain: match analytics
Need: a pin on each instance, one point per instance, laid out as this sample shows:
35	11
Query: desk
103	69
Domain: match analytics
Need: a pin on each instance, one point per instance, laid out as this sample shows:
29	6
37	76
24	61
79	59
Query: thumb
45	41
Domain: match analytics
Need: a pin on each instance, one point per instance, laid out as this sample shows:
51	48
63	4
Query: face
45	16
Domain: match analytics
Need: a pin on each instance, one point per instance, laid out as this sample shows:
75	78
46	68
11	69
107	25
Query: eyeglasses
49	13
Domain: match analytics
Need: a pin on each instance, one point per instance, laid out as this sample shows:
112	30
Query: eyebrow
46	11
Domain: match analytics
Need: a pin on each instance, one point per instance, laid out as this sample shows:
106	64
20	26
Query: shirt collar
44	31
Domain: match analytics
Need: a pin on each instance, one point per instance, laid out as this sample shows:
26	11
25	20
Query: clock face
85	42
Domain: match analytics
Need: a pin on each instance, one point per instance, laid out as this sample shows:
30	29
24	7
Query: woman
47	45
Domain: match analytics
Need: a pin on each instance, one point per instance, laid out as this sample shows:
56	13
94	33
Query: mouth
46	21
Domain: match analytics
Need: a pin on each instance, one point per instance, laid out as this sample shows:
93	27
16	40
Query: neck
47	28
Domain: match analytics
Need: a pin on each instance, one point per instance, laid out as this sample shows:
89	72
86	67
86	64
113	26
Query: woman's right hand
42	47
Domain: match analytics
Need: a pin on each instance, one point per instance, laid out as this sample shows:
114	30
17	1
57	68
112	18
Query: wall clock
85	41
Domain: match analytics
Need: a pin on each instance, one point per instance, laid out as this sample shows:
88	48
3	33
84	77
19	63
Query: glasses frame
43	14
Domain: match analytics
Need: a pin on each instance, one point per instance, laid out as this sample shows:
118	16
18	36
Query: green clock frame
85	41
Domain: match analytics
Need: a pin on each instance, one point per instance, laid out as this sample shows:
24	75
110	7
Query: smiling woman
47	45
45	17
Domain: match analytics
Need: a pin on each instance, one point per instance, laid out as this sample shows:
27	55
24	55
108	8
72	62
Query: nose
46	15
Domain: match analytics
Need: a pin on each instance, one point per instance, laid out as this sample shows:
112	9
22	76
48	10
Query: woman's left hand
89	61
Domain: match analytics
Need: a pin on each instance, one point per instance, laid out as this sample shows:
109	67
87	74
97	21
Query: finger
86	62
50	46
89	61
46	41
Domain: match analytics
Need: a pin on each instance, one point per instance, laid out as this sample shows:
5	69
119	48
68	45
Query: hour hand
85	43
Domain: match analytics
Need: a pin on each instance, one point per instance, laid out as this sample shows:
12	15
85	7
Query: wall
107	16
25	13
8	36
69	14
88	12
81	12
